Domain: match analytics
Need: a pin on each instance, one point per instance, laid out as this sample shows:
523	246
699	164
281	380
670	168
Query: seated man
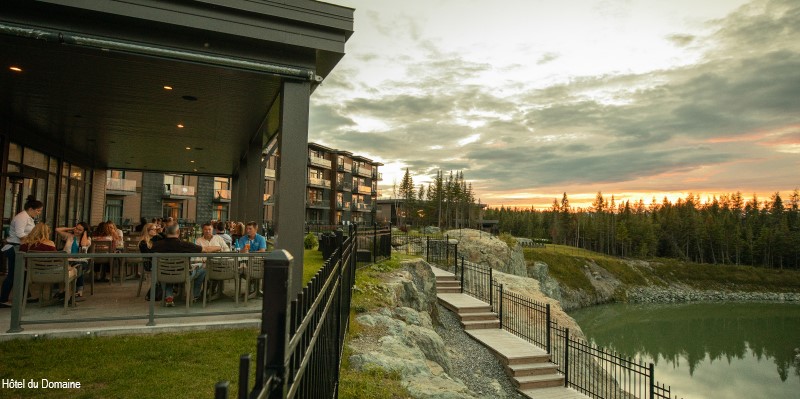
251	242
220	231
173	244
208	239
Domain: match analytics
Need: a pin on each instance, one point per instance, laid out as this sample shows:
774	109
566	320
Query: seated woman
149	236
74	246
38	240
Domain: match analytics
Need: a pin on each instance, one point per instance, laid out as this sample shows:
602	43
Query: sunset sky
534	98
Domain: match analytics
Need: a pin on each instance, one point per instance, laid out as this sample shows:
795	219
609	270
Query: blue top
256	244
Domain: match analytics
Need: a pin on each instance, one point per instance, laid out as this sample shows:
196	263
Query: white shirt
215	241
20	226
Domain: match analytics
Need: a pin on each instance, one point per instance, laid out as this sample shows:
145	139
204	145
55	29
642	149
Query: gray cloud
650	124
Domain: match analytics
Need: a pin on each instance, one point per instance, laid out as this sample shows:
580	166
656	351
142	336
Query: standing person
77	240
21	225
173	244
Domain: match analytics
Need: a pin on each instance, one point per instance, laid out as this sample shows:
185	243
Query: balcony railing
362	207
377	176
343	206
320	162
362	171
269	173
178	190
121	185
314	181
317	203
363	189
344	186
222	195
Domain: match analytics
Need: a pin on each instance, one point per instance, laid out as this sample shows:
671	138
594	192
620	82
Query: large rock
479	247
404	339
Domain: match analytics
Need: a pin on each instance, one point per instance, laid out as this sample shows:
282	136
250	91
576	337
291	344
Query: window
116	174
220	212
222	183
174	179
114	211
314	195
173	210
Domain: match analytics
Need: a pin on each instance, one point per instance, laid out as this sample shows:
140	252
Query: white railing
269	173
317	161
314	181
178	189
121	185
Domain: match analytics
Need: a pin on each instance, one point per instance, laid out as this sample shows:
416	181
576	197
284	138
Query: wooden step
448	290
523	370
478	316
480	324
523	360
539	381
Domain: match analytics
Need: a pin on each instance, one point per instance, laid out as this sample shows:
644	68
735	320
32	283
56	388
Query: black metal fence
442	252
589	369
374	243
302	355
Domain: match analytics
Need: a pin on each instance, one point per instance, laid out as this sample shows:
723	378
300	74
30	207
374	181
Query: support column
291	174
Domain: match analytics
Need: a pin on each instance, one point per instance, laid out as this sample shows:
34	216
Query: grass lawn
566	265
185	365
181	365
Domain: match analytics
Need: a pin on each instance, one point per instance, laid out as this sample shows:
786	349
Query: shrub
310	241
508	239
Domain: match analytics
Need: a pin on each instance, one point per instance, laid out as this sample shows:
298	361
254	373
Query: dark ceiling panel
112	108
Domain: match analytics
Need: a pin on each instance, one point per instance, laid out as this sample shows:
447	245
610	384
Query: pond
706	351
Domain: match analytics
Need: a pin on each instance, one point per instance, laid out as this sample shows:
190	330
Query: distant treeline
725	230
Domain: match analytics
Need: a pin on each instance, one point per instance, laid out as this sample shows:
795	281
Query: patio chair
49	271
175	270
253	271
100	247
221	269
132	247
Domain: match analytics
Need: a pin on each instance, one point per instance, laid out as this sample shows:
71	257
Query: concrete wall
152	191
98	204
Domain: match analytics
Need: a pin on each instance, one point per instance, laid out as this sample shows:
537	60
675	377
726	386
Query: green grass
312	262
369	295
185	365
566	265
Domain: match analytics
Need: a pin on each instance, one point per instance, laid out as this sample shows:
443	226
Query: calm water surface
706	351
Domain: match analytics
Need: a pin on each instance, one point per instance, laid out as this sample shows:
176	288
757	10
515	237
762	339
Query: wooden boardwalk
527	365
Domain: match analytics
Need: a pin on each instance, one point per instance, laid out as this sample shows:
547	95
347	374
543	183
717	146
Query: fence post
462	274
447	251
548	328
566	357
652	381
244	375
275	316
374	242
19	282
428	249
500	304
389	255
455	254
220	390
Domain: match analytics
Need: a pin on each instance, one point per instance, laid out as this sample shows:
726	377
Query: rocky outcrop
400	337
479	247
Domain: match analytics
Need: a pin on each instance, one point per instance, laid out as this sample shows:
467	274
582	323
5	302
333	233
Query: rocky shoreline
685	295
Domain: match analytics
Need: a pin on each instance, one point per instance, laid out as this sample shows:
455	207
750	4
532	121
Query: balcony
222	195
377	176
317	203
269	174
342	206
362	171
362	207
178	191
344	167
317	182
344	186
363	189
120	186
319	162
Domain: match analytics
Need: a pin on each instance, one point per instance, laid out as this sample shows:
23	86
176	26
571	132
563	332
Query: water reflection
706	350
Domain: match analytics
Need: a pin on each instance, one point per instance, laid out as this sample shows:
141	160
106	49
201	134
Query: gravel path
471	362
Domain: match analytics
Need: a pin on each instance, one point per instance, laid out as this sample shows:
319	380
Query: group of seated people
160	236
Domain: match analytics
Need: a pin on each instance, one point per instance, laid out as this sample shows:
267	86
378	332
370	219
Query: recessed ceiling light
188	148
191	161
195	170
180	126
15	68
167	87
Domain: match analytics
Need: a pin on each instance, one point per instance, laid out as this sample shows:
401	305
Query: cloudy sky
533	98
